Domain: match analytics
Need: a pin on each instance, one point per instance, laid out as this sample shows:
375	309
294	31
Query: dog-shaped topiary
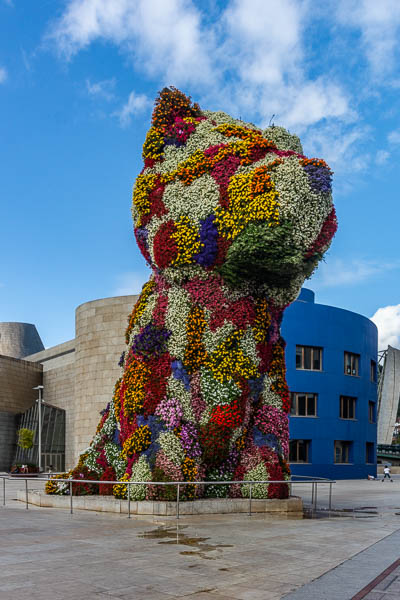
231	220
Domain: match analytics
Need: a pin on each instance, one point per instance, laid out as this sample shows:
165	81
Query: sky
78	79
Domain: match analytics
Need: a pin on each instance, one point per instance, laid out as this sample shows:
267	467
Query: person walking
387	474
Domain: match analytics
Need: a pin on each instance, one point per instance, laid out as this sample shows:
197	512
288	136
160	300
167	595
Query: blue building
331	359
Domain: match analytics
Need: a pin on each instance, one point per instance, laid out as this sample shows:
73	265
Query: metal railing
388	450
290	482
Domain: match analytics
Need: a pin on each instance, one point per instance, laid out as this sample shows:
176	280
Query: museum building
331	358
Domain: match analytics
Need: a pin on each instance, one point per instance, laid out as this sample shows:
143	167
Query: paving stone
202	557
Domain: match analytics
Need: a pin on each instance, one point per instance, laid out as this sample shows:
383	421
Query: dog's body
231	220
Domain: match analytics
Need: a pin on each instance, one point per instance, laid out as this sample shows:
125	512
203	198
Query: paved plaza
349	553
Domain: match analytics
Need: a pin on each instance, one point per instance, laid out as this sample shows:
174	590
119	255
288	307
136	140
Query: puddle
344	513
175	535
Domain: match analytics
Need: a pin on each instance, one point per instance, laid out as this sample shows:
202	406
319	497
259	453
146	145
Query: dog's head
217	194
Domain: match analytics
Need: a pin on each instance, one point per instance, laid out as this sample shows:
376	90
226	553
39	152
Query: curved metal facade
339	440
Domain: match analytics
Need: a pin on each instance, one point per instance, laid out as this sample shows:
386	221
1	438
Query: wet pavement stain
344	513
175	535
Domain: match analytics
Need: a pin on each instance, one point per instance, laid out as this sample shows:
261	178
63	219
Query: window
373	371
299	451
309	358
369	453
342	452
347	407
351	364
371	412
303	404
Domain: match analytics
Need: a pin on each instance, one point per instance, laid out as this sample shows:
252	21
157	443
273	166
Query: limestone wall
19	339
17	378
58	365
100	330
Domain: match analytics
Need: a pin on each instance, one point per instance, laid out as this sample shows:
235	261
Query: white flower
172	447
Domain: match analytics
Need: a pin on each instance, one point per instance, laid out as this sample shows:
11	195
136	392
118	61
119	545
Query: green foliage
25	438
263	254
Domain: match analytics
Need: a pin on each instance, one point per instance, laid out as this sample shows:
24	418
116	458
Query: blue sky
77	83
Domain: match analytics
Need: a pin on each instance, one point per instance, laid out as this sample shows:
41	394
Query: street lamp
40	401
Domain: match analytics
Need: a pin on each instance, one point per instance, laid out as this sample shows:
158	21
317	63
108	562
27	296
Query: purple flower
208	237
189	440
320	178
180	373
170	411
151	341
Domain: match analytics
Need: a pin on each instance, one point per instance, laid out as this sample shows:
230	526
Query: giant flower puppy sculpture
231	219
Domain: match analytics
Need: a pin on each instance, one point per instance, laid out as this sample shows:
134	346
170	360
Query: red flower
165	248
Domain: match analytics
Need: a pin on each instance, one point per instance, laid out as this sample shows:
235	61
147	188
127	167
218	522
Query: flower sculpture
231	219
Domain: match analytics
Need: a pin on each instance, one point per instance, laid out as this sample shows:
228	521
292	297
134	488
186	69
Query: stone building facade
78	376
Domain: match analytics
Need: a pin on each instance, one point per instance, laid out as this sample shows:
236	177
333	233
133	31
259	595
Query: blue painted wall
336	331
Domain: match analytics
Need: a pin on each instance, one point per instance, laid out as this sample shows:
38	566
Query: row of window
300	452
309	358
305	405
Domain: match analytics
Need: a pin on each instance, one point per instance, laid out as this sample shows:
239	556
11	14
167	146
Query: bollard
26	493
250	498
129	500
330	497
177	501
312	493
315	495
4	491
70	498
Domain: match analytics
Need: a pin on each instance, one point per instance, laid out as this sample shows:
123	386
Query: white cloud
394	137
338	272
3	74
251	59
130	283
379	25
162	38
339	144
103	89
136	104
381	157
387	319
264	48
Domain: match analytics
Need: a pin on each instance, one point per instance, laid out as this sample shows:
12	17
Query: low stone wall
197	507
394	470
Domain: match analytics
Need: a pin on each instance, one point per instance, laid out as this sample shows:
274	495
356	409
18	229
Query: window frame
345	447
342	400
307	445
294	400
369	448
351	360
373	371
371	405
312	358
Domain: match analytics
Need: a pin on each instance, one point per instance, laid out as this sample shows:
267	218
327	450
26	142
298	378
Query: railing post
4	491
312	493
26	493
177	501
330	496
129	500
250	498
70	498
315	495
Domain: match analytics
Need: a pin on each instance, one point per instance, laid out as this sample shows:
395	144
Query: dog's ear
171	103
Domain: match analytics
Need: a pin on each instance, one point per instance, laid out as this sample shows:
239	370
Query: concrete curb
291	505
